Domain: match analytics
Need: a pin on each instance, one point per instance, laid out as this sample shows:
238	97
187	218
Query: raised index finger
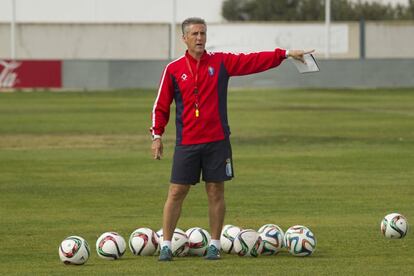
309	52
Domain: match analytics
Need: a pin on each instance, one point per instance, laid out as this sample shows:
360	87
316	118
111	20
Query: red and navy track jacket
201	106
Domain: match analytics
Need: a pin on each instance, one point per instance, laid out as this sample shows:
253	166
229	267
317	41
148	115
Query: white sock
216	243
166	243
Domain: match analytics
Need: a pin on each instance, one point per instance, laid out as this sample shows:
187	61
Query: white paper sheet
310	66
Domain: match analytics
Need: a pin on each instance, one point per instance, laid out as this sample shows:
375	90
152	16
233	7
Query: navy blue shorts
211	160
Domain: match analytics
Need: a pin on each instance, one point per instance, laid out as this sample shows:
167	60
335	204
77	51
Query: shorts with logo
211	160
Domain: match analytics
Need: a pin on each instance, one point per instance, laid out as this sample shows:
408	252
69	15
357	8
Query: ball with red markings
110	246
179	242
198	241
74	250
143	242
394	226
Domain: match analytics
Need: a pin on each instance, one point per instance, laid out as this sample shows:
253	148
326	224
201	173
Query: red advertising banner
30	74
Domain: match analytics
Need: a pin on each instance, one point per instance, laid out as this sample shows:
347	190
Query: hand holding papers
309	66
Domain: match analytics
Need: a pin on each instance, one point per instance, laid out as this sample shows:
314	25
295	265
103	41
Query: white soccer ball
300	241
228	234
143	241
198	241
110	246
291	230
394	226
270	225
273	240
265	226
179	242
248	243
74	250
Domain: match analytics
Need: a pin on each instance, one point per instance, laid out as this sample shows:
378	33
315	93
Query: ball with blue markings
300	241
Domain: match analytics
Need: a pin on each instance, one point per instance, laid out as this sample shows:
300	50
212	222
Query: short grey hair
191	21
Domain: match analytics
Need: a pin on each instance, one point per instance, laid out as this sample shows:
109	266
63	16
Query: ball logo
211	71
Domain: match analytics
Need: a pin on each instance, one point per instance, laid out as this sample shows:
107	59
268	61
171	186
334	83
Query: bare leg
216	207
172	208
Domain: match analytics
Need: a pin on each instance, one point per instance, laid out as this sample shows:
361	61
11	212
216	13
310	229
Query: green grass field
336	161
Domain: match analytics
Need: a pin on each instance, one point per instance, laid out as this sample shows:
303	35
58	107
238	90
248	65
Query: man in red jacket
198	82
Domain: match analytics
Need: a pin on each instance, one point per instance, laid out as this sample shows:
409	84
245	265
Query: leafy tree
289	10
343	10
233	10
411	9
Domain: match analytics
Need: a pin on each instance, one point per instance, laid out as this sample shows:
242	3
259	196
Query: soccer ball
143	241
394	226
74	250
300	241
272	237
228	234
110	246
248	243
291	230
269	225
198	240
179	242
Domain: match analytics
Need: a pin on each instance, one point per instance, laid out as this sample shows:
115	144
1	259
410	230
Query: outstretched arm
250	63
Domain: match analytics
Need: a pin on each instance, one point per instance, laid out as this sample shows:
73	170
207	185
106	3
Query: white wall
89	41
395	39
125	41
144	11
247	37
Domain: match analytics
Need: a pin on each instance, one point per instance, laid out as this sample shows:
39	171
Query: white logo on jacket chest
184	77
211	71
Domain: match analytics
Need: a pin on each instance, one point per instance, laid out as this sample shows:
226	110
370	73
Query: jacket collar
203	57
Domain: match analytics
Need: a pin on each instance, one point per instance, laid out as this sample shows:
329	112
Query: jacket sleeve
244	64
161	109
